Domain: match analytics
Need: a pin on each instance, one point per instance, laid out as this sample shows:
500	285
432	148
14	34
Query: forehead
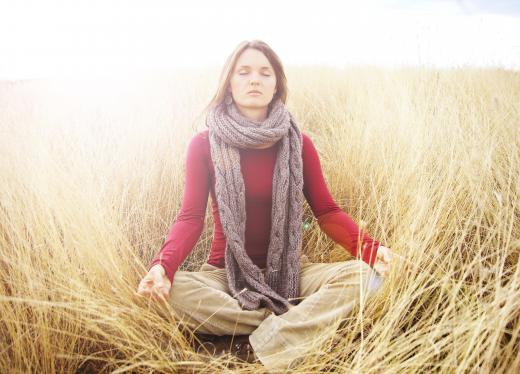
253	58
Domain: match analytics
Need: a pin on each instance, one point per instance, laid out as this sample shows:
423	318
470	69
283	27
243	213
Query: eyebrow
247	66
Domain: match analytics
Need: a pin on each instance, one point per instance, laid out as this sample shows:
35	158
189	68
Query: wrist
369	253
159	268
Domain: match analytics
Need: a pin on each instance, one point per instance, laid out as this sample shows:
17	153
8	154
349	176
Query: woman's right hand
155	284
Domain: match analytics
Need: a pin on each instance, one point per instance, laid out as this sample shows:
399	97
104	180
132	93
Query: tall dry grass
92	178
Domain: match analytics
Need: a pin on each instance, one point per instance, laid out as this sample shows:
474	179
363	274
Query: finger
382	268
382	261
379	268
144	286
166	292
152	295
382	273
138	295
158	297
143	292
158	292
384	255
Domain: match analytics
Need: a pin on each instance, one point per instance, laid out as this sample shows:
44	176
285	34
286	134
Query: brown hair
227	70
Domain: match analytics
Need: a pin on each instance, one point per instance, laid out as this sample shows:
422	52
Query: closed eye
265	75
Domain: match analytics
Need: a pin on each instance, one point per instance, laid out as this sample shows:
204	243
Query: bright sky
50	38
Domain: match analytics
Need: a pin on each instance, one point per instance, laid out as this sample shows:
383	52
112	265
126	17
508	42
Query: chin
256	104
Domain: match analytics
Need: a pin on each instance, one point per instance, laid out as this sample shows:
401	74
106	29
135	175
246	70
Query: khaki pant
328	292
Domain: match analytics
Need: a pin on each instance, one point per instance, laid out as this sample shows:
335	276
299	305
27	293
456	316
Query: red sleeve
189	223
338	225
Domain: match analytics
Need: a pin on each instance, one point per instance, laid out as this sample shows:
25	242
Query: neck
255	114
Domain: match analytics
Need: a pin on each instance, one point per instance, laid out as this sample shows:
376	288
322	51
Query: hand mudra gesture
155	284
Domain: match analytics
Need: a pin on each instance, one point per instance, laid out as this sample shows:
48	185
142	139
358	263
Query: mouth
254	92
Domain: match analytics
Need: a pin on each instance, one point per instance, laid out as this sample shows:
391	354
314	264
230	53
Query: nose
254	79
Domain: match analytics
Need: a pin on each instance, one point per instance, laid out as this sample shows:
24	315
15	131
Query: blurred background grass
92	175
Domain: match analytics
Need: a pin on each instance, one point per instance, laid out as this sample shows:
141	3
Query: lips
254	91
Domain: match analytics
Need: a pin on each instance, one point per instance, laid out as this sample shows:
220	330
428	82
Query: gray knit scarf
229	130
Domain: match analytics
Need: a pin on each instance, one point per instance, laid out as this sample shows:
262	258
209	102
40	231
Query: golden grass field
92	178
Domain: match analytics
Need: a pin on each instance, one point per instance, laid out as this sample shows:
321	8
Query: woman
258	167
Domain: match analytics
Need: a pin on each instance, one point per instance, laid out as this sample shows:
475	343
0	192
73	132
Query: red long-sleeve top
257	166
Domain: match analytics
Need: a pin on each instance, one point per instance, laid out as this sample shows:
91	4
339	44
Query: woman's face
253	72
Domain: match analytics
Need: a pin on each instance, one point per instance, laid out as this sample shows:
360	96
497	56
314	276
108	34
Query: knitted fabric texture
230	131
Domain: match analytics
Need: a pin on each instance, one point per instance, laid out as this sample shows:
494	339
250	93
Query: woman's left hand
384	260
